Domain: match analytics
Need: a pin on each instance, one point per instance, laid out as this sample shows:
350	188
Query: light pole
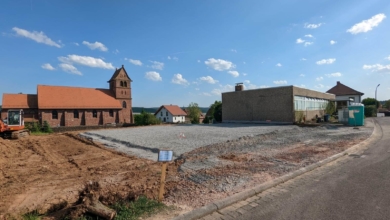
376	107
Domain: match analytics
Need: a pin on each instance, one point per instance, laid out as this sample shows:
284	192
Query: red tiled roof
173	109
63	97
341	89
19	101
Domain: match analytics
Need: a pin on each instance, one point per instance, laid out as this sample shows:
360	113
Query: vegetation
146	118
387	104
330	108
34	215
37	129
218	112
369	110
133	210
370	101
299	117
193	113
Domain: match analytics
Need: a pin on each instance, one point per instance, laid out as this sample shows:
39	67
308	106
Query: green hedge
369	111
146	118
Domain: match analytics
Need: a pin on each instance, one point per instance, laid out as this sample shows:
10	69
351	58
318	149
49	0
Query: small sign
351	115
165	155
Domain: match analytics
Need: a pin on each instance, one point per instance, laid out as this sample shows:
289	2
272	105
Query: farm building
345	95
171	114
277	104
75	106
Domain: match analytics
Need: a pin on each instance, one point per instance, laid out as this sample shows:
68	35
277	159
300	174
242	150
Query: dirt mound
47	173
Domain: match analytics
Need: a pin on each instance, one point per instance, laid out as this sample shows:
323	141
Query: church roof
63	97
19	101
116	73
173	109
341	89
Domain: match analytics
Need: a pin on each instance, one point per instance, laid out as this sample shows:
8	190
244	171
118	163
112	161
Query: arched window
94	114
124	105
76	114
121	83
125	84
54	114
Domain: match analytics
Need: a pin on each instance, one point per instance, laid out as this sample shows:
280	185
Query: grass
34	215
134	210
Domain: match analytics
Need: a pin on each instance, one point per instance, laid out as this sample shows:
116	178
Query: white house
171	114
345	95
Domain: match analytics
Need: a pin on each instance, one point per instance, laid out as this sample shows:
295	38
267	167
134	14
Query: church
76	106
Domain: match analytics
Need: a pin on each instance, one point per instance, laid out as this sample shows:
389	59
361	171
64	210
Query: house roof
116	73
63	97
19	101
173	109
341	89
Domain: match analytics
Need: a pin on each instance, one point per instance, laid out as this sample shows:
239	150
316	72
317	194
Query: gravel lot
146	141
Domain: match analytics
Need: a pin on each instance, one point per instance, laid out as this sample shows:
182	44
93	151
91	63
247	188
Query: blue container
356	114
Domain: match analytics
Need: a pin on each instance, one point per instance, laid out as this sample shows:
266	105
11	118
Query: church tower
120	85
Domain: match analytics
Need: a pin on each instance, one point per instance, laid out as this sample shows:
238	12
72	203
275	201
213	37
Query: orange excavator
13	127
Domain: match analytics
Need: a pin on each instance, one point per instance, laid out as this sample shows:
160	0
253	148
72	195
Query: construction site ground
48	173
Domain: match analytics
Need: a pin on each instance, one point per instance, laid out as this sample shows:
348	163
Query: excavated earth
48	173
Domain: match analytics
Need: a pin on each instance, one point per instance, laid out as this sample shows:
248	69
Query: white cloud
326	61
173	58
308	43
302	75
299	41
206	94
278	64
280	82
154	76
263	86
216	92
208	79
77	44
302	86
303	59
378	68
333	42
387	58
313	26
319	78
247	81
70	68
367	25
226	88
116	51
338	74
319	86
309	35
47	66
96	45
198	61
244	74
234	73
86	61
178	79
36	36
233	50
219	64
135	62
157	65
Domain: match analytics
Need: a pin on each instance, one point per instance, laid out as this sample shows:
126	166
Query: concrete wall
259	105
312	94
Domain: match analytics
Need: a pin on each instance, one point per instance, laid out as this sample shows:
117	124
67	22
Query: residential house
76	106
345	95
171	114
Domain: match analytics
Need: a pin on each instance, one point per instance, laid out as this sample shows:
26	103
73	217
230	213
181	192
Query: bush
146	118
206	120
33	126
46	127
369	110
218	112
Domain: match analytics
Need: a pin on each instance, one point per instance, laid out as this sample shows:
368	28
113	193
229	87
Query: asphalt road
356	187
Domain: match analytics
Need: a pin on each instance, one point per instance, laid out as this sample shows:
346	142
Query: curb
214	206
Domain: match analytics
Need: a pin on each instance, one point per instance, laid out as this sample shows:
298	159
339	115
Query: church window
94	114
54	114
111	113
76	114
121	83
124	104
125	84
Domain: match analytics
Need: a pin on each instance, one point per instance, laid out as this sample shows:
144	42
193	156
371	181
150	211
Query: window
76	114
121	83
94	114
166	113
124	104
161	114
125	84
111	113
54	114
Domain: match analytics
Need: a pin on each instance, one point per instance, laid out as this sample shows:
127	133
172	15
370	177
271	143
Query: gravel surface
146	141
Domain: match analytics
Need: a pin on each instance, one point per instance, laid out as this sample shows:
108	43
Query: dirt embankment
41	172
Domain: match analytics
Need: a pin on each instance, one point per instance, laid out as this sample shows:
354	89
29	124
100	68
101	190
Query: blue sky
177	52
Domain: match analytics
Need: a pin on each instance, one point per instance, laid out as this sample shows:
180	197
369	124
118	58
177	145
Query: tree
387	104
210	112
193	112
370	101
218	112
146	118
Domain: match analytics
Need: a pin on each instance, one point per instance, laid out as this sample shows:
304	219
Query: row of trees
214	113
371	105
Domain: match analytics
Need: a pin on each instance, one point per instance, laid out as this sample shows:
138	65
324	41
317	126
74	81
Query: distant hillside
154	109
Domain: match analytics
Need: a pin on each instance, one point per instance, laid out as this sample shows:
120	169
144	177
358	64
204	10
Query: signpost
163	156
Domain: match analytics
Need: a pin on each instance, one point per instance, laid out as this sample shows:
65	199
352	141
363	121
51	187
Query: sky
178	52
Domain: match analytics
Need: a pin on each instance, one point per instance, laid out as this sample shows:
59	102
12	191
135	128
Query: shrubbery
146	118
35	127
369	110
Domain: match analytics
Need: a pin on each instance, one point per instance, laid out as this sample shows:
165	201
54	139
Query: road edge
214	206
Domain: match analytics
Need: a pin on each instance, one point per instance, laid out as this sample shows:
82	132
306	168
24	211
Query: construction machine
13	127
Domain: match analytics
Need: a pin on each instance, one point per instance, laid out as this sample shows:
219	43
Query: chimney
122	66
239	87
338	82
